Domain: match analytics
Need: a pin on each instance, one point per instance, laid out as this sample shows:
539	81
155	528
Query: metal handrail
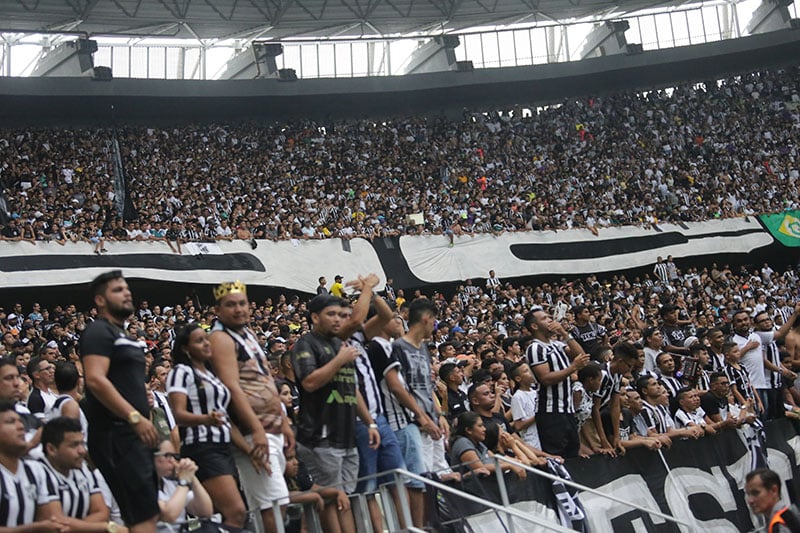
580	487
399	474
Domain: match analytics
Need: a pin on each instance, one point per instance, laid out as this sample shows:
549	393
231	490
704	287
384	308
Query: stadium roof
248	19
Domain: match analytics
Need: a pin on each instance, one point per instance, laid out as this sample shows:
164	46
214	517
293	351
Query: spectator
200	401
30	493
751	356
327	430
179	490
42	397
607	397
68	383
321	289
415	360
331	502
80	501
452	375
337	289
241	365
774	371
741	386
116	405
524	405
404	414
583	393
656	413
467	448
689	413
553	366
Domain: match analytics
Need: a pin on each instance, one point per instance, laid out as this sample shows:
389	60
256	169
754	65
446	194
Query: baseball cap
320	302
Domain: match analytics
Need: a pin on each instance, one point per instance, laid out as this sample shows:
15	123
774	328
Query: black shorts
128	467
213	459
558	434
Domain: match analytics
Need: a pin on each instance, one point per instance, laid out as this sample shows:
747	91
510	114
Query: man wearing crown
239	361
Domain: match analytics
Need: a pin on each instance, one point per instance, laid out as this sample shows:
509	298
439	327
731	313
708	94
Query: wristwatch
184	483
134	417
111	527
373	426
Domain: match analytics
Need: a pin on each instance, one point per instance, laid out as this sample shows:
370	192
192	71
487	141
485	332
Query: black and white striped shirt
658	417
610	384
554	398
75	490
772	354
21	492
204	393
160	400
661	271
383	362
673	385
703	381
367	383
58	410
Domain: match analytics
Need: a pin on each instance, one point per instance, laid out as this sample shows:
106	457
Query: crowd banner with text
700	482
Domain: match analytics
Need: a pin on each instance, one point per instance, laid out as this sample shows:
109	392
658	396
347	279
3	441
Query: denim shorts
388	456
410	441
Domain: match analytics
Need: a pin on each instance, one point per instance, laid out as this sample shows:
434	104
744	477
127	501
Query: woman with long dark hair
466	445
199	402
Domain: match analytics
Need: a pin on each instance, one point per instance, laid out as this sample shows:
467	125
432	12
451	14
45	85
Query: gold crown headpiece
229	287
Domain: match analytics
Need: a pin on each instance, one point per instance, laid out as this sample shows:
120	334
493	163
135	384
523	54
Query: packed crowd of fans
718	149
538	373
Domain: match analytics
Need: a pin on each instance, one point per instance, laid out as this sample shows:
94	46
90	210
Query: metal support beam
255	61
69	59
606	39
771	15
437	55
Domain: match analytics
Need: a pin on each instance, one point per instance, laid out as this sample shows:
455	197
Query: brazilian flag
784	226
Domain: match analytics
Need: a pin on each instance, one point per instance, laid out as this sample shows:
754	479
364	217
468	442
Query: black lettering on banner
700	482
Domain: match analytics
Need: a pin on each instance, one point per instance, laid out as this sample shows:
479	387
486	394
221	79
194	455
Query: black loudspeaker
86	46
287	74
102	74
633	48
273	49
464	66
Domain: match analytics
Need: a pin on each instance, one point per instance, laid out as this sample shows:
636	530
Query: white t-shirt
168	488
753	360
685	418
524	404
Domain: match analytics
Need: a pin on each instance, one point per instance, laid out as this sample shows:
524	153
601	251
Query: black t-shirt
589	335
125	371
36	402
456	403
713	405
673	335
626	427
327	415
10	232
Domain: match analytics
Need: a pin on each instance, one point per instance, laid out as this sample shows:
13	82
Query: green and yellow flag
784	226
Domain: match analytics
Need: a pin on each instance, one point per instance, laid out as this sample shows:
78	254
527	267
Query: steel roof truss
125	9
